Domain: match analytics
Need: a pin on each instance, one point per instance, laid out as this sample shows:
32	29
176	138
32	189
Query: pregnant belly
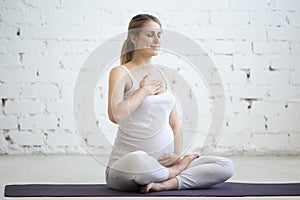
160	144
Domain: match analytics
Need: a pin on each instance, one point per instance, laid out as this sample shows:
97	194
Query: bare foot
146	188
170	184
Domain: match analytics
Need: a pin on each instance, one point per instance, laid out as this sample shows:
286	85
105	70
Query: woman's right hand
151	87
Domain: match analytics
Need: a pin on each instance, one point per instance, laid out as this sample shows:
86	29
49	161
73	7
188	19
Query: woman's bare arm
176	127
118	108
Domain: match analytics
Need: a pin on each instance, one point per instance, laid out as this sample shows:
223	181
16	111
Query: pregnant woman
147	150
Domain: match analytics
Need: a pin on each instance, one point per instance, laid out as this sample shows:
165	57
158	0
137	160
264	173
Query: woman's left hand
169	159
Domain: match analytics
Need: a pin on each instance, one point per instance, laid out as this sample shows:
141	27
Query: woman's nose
156	39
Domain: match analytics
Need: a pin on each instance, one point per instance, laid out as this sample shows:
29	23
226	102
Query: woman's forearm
178	140
128	106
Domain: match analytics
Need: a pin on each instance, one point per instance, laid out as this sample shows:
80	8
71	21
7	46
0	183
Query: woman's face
148	40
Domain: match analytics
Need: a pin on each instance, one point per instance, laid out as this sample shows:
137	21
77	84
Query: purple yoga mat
227	189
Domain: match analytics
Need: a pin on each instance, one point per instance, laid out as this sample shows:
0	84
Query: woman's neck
139	60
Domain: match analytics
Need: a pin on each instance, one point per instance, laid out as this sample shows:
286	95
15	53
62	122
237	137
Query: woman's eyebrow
151	31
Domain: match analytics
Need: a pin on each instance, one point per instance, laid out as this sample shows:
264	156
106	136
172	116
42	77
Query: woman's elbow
112	119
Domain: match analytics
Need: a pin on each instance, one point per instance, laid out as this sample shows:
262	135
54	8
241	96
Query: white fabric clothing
147	128
133	170
138	168
144	137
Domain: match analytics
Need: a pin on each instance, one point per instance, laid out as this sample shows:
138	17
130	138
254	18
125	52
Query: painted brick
60	107
268	18
234	140
67	92
67	122
57	76
267	108
250	5
269	77
246	123
285	5
246	32
194	18
38	122
40	91
293	108
240	77
287	34
8	122
205	32
252	62
283	123
65	47
3	145
270	48
294	139
270	141
74	32
227	47
43	62
11	4
205	5
8	32
62	139
96	19
9	61
18	76
295	77
56	18
9	91
236	107
24	107
44	44
73	62
25	46
34	32
281	92
283	62
43	4
294	18
229	17
15	17
295	48
80	5
248	91
105	32
222	62
26	138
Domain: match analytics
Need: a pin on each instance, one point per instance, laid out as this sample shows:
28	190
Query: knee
228	168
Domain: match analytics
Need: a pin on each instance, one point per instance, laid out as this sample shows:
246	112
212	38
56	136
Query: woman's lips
155	47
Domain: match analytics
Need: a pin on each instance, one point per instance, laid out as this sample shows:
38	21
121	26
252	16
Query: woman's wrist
144	90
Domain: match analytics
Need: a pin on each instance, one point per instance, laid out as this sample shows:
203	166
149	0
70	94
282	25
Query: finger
145	77
164	162
166	156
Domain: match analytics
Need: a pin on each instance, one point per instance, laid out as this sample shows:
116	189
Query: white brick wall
254	44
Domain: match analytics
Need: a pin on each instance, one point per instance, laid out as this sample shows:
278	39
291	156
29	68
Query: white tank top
147	128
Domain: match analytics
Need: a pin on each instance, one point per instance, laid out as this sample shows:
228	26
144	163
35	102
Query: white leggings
138	168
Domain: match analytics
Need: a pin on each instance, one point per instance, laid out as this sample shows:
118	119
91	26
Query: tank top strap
130	75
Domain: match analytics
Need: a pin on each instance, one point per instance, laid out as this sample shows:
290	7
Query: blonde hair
136	23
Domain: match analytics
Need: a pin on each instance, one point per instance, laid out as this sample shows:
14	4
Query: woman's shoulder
117	70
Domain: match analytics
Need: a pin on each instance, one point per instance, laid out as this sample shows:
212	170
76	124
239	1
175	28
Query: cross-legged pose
147	151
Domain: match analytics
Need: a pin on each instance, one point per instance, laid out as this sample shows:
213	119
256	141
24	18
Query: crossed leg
137	171
201	172
172	182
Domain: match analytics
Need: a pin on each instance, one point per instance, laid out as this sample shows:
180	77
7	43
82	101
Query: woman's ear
133	39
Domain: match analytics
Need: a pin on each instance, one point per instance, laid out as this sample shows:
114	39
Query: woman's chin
154	52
